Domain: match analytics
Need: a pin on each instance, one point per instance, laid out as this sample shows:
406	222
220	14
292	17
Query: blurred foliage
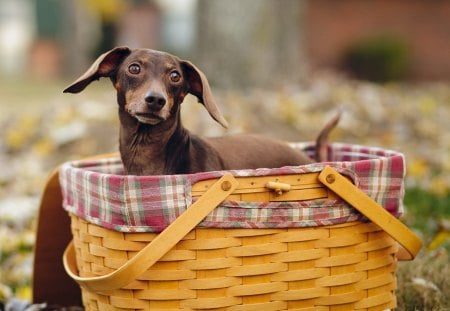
50	18
423	284
42	128
379	59
427	212
426	208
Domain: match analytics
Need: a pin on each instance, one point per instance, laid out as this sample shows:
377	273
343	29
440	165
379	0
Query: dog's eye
175	76
134	69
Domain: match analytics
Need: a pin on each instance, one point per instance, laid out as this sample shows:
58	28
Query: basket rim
95	191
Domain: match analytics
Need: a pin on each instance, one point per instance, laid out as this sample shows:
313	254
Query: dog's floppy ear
104	66
198	85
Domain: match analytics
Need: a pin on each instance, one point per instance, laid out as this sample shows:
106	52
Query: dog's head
150	84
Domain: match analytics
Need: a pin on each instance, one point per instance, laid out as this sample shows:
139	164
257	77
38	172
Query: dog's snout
155	101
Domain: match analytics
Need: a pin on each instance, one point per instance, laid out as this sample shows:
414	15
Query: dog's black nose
155	101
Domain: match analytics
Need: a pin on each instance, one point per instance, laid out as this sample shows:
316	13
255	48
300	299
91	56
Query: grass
424	284
425	210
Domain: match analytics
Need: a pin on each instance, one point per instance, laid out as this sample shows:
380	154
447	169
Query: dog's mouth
148	118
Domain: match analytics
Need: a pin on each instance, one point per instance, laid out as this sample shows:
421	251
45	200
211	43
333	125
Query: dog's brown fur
151	86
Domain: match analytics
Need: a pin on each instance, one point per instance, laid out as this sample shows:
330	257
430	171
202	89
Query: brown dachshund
151	86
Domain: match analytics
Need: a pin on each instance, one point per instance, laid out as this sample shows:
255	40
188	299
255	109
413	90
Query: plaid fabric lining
96	191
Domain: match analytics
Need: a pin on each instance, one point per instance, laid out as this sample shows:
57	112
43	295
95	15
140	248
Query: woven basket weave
349	266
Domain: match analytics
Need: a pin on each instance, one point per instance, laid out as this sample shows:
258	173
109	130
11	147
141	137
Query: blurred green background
280	68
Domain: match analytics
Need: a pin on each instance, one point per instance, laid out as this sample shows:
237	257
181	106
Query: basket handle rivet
330	178
226	185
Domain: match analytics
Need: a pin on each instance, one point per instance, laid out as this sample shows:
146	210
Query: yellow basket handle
373	211
158	247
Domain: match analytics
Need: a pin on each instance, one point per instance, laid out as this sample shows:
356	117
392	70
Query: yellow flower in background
15	139
441	236
5	292
427	105
65	115
439	185
417	168
21	132
288	110
44	147
24	293
109	10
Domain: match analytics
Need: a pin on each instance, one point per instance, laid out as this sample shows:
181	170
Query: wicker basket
348	266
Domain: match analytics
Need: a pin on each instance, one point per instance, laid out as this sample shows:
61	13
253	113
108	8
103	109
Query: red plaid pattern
98	192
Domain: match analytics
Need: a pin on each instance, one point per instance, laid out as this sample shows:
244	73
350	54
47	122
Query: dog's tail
322	139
